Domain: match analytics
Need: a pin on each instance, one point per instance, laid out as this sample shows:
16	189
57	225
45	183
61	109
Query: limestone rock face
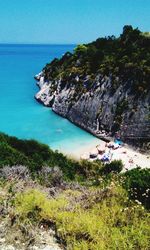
101	108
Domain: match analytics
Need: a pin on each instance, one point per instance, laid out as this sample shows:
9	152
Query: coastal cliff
103	87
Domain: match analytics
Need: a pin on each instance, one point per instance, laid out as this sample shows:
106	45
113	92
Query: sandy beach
130	157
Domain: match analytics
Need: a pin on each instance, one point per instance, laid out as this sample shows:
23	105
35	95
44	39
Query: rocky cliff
103	87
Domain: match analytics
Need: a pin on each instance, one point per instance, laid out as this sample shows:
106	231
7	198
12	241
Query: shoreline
129	154
99	134
130	157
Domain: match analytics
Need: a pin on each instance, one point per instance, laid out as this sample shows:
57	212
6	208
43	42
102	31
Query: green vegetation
125	59
106	210
115	166
104	221
94	207
35	156
137	181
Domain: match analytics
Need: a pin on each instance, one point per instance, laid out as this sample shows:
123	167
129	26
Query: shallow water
20	114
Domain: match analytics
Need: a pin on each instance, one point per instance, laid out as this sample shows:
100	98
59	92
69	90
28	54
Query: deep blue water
20	114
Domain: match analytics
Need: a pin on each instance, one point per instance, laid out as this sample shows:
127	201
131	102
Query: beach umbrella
101	149
94	153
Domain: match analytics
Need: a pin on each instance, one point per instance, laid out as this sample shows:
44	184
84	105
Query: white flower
138	202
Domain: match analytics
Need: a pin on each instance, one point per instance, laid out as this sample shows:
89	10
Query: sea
20	114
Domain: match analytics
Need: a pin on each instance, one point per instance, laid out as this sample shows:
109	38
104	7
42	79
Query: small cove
20	114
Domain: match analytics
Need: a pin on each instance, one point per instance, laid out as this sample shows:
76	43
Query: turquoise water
20	114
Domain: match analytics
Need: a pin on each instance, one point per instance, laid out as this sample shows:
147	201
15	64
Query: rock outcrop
102	87
100	111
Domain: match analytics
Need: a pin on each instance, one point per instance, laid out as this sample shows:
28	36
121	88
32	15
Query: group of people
105	154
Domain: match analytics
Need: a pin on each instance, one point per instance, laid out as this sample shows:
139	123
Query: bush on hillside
110	223
36	155
10	156
137	182
115	166
126	57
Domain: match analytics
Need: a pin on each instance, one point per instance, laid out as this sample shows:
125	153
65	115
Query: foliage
10	156
124	59
137	182
35	156
22	152
51	168
112	223
108	215
115	166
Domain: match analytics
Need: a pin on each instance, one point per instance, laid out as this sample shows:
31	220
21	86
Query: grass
95	207
87	222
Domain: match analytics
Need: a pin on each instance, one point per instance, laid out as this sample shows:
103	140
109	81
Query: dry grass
113	222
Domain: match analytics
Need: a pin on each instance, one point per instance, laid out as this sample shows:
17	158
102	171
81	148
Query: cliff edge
103	87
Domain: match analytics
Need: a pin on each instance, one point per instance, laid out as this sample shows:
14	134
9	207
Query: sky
69	21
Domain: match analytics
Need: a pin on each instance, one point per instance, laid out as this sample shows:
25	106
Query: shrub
35	155
109	224
126	57
34	205
50	176
115	166
10	156
137	182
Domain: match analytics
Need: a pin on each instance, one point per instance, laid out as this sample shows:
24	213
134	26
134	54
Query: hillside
103	86
48	201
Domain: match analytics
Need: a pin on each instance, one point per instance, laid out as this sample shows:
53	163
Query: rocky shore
103	87
96	110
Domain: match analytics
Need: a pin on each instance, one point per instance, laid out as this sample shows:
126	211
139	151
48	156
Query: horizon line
15	43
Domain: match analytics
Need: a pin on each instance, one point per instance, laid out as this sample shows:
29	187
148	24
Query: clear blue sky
69	21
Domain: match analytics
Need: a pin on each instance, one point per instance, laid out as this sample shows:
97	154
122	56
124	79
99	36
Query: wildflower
138	202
